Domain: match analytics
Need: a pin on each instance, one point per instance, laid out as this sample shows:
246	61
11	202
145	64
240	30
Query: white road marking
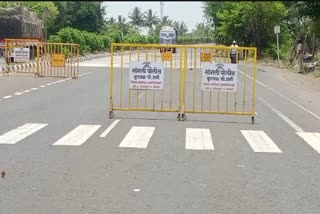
78	135
7	97
84	74
138	137
18	93
260	142
93	65
198	139
279	113
49	84
312	138
106	132
281	95
33	89
43	86
26	91
20	133
284	117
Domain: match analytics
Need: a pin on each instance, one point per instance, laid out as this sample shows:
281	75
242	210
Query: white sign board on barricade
219	77
21	54
146	75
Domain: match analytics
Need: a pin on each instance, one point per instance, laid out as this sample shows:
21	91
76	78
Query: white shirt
234	51
299	48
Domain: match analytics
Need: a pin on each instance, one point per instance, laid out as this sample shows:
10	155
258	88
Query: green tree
151	19
203	30
39	6
82	15
111	21
166	21
136	18
123	26
250	23
303	20
211	9
309	8
183	29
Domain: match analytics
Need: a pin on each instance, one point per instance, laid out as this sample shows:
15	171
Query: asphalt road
66	156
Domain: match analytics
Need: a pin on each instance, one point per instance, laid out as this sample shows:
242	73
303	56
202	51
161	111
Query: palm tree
203	30
136	17
183	28
121	20
151	19
176	25
165	21
111	21
123	26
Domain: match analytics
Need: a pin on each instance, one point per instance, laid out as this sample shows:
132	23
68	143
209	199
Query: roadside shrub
92	42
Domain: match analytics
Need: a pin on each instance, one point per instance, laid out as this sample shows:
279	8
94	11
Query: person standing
300	56
233	54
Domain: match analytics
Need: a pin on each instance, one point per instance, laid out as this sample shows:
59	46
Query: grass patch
316	73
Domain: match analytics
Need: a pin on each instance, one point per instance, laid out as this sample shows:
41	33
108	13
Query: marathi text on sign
21	54
146	75
219	77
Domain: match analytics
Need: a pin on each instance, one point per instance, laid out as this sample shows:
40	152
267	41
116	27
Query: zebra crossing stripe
78	135
198	139
137	137
18	134
260	142
312	138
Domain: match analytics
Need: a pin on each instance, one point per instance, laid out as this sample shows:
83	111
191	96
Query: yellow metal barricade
192	79
22	52
59	60
146	77
214	85
43	59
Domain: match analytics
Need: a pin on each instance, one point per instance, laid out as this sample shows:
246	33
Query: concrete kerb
5	69
15	68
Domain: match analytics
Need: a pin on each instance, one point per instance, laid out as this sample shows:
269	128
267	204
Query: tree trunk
314	46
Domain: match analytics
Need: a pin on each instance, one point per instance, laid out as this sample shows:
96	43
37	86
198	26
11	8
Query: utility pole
161	9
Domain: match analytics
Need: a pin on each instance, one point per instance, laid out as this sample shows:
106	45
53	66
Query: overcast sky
189	12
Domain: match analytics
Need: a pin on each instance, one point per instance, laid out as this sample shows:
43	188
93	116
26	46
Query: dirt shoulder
305	82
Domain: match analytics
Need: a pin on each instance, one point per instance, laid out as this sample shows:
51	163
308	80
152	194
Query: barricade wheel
111	114
184	117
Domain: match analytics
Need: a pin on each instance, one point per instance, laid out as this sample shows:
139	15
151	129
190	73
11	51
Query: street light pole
161	9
